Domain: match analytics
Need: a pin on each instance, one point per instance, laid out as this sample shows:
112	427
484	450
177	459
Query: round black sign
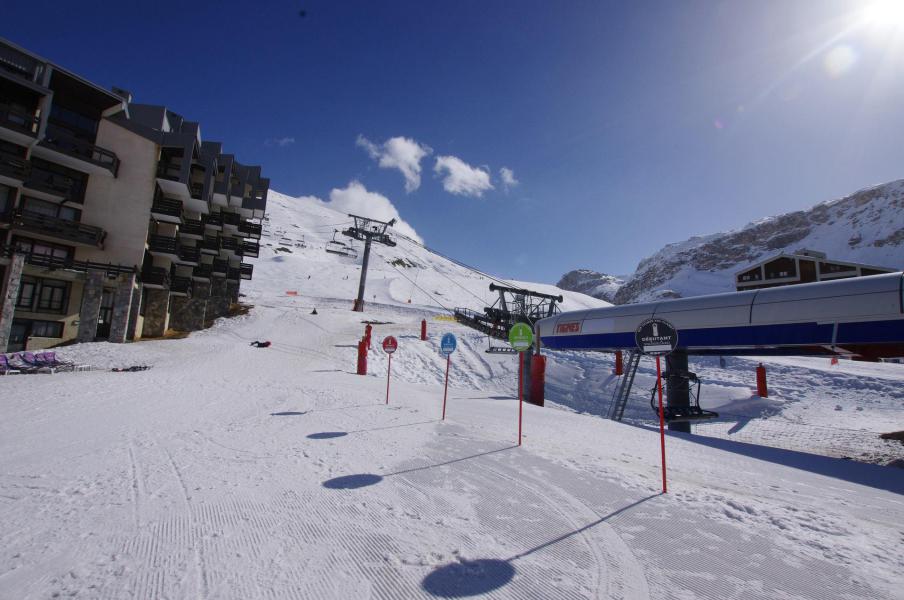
656	337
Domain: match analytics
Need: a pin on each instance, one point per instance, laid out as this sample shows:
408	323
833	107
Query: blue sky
627	125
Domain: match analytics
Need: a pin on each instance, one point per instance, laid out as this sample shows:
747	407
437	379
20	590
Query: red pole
388	371
761	390
423	330
520	393
619	365
665	488
446	392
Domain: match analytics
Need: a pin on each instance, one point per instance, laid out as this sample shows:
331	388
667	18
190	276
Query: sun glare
885	14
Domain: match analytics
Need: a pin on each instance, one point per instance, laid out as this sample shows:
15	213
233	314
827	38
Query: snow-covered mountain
866	226
294	258
592	283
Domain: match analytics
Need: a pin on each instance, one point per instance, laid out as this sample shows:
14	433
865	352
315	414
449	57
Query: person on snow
257	344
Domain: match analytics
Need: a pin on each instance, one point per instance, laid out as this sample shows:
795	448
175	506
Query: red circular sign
390	344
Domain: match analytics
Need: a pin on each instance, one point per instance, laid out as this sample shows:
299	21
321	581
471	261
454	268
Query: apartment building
117	221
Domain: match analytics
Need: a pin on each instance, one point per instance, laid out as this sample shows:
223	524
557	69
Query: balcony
155	277
85	152
250	229
233	274
214	220
192	229
180	286
190	255
167	209
246	269
210	244
220	267
58	229
203	272
12	166
230	244
162	245
20	122
55	184
251	249
231	219
170	169
196	190
19	64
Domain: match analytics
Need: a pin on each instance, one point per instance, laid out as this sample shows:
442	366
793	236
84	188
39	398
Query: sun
885	14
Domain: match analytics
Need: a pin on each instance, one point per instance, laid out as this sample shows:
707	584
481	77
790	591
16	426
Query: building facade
803	266
117	221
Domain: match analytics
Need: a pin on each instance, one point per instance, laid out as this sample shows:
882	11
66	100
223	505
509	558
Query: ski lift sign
447	345
390	345
656	337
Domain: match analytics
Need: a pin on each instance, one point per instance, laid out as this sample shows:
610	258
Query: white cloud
281	142
461	178
358	200
400	153
508	178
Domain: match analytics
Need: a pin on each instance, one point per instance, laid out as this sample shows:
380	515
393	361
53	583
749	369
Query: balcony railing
233	274
203	271
251	249
231	218
229	243
13	166
250	229
55	183
169	207
191	227
180	285
157	276
163	244
18	120
211	243
20	64
215	219
189	254
71	231
220	266
170	169
197	191
59	140
247	269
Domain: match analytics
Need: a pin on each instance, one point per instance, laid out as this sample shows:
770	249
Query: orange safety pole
661	424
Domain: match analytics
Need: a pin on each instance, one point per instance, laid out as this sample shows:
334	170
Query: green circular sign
521	336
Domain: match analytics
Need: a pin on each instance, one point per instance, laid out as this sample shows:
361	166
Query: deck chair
6	368
37	365
51	358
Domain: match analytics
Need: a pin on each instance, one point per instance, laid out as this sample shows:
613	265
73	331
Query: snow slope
227	471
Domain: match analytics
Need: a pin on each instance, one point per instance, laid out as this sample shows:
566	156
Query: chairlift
300	243
334	246
683	414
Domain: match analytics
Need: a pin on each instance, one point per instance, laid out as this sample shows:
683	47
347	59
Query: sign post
658	337
390	345
446	347
521	336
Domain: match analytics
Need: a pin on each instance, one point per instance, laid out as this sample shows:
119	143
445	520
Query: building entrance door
18	335
105	316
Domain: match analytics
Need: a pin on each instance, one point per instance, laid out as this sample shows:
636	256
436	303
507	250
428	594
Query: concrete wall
121	205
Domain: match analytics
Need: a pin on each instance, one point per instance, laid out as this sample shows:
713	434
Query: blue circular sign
448	344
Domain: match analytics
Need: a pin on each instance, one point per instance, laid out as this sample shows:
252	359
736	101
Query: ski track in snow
227	471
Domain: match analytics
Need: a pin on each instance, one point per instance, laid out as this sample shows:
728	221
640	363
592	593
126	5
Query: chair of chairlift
683	414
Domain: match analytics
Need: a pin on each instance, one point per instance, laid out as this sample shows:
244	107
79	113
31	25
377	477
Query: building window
53	296
7	196
30	246
44	208
43	295
27	288
49	329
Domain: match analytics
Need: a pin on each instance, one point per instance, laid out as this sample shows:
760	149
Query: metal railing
233	274
156	276
220	266
251	249
19	120
210	242
203	271
13	166
61	141
180	285
246	269
169	207
196	190
250	229
229	243
55	183
71	231
55	262
191	227
163	244
215	219
189	254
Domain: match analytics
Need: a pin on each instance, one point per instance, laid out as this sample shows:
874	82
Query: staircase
623	391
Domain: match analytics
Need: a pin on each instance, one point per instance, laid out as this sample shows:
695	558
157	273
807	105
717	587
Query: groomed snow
227	471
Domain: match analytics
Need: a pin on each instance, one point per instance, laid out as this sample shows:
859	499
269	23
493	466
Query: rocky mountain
586	281
866	226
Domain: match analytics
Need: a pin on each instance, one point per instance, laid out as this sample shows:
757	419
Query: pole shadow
474	577
352	482
326	435
450	462
468	578
288	413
